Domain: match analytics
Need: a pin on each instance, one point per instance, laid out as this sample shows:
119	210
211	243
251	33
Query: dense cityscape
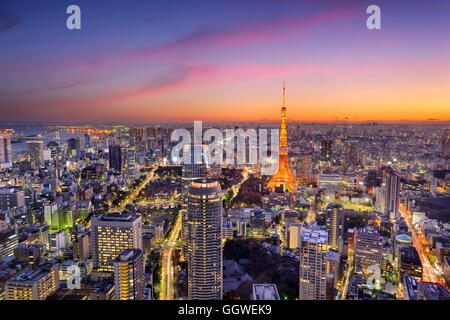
235	158
356	211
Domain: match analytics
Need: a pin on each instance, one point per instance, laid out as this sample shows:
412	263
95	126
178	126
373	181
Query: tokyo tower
283	176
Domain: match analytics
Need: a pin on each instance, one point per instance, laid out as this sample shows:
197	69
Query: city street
167	277
135	193
347	277
428	273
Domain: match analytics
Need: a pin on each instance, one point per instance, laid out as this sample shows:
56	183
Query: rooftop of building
128	255
403	238
265	291
334	205
116	217
409	255
30	276
333	255
315	235
437	290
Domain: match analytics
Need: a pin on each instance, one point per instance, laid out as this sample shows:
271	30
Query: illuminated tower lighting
283	176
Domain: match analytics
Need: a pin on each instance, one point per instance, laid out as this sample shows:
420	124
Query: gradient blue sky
224	60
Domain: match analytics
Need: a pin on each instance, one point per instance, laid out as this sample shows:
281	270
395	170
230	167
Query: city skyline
183	68
234	151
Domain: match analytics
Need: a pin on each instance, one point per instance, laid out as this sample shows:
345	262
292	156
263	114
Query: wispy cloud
8	20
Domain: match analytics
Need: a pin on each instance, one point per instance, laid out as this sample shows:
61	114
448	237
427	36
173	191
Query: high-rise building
33	284
138	134
329	181
111	234
283	176
75	146
333	261
50	214
351	153
87	140
115	157
8	242
31	253
35	150
293	238
446	143
129	275
58	240
392	193
372	179
12	199
307	165
409	263
5	151
204	240
313	264
326	152
335	226
130	157
81	248
368	248
193	169
53	146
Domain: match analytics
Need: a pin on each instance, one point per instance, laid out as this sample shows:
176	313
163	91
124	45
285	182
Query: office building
409	263
195	167
410	287
105	290
446	143
391	193
432	291
313	264
204	241
351	153
12	199
111	234
130	157
8	242
35	150
50	214
372	179
330	181
75	146
368	248
326	152
81	248
129	275
5	151
335	226
32	254
33	284
293	235
333	261
115	158
58	240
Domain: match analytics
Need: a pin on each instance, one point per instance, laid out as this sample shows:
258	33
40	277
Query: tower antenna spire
284	94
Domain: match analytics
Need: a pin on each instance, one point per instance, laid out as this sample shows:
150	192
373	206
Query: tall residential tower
204	240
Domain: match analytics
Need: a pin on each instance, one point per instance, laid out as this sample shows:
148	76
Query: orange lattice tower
284	175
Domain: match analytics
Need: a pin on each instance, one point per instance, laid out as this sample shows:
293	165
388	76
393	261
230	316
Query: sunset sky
226	60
